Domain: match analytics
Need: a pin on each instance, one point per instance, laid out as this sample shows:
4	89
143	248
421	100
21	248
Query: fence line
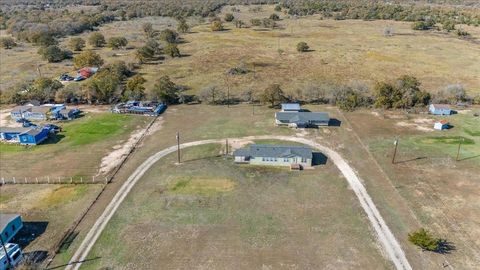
46	180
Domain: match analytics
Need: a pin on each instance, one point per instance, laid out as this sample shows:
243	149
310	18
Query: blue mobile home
439	109
10	225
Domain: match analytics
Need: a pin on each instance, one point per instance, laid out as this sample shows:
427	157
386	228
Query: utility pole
253	108
458	150
178	147
39	71
6	253
226	147
228	91
254	74
395	151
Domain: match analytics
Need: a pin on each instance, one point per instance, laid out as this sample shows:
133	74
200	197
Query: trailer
137	107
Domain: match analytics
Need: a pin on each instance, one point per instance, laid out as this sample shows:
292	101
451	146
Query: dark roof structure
5	219
441	106
303	117
276	151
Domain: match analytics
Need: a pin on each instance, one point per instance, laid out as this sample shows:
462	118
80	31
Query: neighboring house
275	155
439	109
290	107
10	225
25	136
17	112
39	113
62	113
15	256
302	119
440	125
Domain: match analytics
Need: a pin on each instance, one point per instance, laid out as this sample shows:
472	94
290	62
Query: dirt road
386	238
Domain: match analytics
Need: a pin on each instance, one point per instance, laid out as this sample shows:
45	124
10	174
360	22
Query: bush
423	25
424	239
169	36
165	90
148	30
229	17
274	17
217	26
53	53
172	50
117	42
462	33
278	8
144	54
448	25
256	22
87	59
96	39
273	94
302	47
183	27
134	88
405	93
76	44
7	42
212	95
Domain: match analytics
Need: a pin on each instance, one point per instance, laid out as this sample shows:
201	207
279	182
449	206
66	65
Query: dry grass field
210	213
341	52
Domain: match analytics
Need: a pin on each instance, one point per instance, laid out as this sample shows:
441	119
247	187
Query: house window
263	159
285	160
304	160
13	227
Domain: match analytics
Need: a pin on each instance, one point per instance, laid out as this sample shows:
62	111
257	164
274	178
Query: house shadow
30	231
34	258
409	160
319	159
334	122
73	263
53	139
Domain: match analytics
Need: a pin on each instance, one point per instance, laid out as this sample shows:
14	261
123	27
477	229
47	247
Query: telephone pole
458	150
226	147
395	151
178	147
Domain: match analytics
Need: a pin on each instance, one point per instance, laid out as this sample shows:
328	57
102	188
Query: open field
211	213
76	151
341	52
47	211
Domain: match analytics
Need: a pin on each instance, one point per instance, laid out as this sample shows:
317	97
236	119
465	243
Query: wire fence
77	180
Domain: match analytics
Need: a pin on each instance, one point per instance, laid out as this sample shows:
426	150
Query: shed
440	109
10	225
442	124
290	107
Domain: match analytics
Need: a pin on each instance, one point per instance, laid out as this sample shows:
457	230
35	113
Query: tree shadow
334	122
445	247
34	258
72	263
200	158
30	231
67	241
319	159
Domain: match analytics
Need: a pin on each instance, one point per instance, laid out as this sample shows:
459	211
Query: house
290	107
275	155
39	113
18	111
15	256
25	136
10	225
442	124
62	113
439	109
301	119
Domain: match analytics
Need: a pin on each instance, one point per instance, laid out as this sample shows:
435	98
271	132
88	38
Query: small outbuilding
441	125
439	109
290	107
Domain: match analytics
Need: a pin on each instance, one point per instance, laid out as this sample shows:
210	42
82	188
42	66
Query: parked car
66	78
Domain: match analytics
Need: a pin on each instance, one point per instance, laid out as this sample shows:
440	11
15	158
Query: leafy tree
7	42
424	239
96	39
256	22
165	90
212	95
183	27
278	8
103	86
169	36
404	93
135	88
46	88
76	44
117	42
118	69
269	23
217	26
229	17
148	30
87	59
273	94
154	45
44	39
172	50
53	53
144	54
274	17
239	23
302	46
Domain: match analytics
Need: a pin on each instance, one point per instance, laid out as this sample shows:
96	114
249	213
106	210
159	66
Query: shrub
423	25
87	59
169	36
53	53
462	33
273	94
143	54
256	22
165	90
134	88
278	8
274	17
424	239
212	95
229	17
96	39
76	43
217	26
117	42
182	27
302	46
148	30
7	42
172	50
404	93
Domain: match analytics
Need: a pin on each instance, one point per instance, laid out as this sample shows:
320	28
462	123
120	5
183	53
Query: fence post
14	180
93	179
36	179
81	179
48	179
26	182
106	180
59	179
71	180
3	181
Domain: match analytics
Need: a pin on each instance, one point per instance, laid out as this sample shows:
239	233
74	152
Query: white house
439	109
440	125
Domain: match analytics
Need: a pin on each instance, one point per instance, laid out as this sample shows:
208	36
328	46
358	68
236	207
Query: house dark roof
441	106
305	117
290	106
21	108
14	129
5	219
276	151
41	109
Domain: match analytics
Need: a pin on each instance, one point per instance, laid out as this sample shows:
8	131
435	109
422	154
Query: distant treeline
34	19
